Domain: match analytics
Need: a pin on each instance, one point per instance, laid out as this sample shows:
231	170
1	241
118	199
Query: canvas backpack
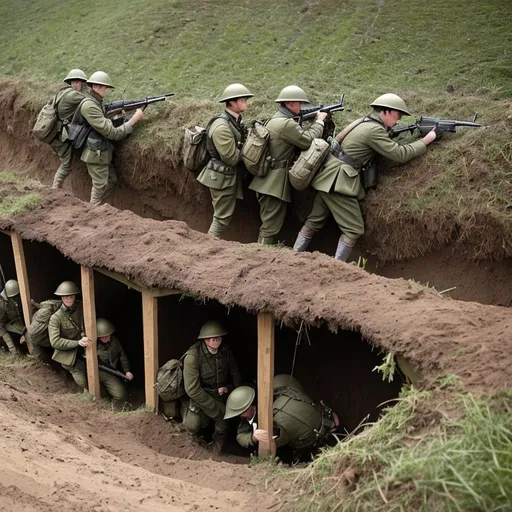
169	380
48	124
195	147
256	149
37	331
308	164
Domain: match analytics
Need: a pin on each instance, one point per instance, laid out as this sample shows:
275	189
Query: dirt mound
60	450
440	336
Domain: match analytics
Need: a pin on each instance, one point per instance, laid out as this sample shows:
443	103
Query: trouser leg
111	181
40	353
193	417
79	373
224	203
99	174
9	342
272	213
319	214
115	388
64	151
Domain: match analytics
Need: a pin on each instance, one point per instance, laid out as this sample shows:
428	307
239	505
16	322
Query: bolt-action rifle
110	370
116	107
310	113
425	124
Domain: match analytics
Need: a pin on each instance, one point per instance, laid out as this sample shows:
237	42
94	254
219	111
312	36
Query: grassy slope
448	59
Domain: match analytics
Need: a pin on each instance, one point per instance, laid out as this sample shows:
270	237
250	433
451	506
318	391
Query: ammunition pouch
96	142
367	171
219	166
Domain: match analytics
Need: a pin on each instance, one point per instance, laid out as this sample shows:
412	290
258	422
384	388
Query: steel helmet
287	381
393	102
100	78
239	400
211	329
234	91
67	288
11	289
292	93
75	74
104	327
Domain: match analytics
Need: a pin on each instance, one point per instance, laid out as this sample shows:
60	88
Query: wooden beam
265	379
150	328
21	274
91	353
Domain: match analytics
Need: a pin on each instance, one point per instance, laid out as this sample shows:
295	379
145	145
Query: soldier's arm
379	141
244	434
125	362
225	144
56	340
293	134
3	319
95	117
234	372
192	382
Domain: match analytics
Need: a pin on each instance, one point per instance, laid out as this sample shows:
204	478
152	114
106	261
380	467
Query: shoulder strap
349	128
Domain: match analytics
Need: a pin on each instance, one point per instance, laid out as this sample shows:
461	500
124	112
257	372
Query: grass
419	457
16	195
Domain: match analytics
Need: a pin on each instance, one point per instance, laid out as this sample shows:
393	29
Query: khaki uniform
203	375
224	173
274	190
112	354
68	101
98	151
37	331
11	319
65	330
299	422
339	184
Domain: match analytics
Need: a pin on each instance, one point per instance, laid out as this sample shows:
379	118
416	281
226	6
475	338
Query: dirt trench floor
60	451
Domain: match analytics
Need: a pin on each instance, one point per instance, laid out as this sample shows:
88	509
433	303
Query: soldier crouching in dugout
11	315
67	333
287	138
210	373
98	151
224	173
338	183
300	424
111	354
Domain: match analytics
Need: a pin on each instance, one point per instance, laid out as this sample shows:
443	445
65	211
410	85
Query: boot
219	441
303	239
57	181
345	246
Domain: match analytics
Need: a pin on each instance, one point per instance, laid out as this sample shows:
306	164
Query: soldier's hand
129	375
223	391
84	342
22	340
320	116
430	137
261	435
136	117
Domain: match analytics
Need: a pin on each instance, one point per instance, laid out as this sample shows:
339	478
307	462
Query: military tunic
11	319
274	189
37	331
68	101
65	330
339	184
112	354
98	151
203	374
224	179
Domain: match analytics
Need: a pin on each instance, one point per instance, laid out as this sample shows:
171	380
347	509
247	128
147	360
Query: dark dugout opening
6	260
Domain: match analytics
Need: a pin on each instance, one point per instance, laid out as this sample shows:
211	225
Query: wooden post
150	327
91	353
21	274
265	379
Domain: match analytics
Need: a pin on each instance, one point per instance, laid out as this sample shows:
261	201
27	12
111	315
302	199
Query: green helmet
239	400
234	91
100	78
211	329
292	93
287	381
104	327
75	74
11	289
67	288
393	102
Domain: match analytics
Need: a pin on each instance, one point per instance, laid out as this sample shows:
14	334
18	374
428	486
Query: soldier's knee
191	420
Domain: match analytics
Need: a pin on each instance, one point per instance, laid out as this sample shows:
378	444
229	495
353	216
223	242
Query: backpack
37	331
169	380
307	165
48	124
256	148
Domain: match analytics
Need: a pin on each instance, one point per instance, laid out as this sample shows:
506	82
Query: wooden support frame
150	329
266	335
91	354
21	274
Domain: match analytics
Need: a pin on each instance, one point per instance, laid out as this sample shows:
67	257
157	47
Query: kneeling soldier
210	373
11	316
110	355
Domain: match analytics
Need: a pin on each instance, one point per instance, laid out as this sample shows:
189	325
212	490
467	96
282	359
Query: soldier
210	373
67	100
110	355
98	151
338	183
67	333
299	423
224	172
287	138
11	316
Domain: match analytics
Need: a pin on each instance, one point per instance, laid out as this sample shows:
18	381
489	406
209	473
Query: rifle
109	370
115	107
310	113
425	124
